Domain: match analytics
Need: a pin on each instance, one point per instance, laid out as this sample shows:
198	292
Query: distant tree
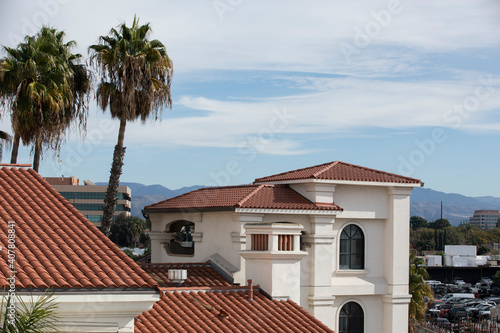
464	229
453	236
136	229
423	239
440	224
129	253
419	290
128	231
145	240
496	277
417	222
120	231
478	237
482	250
494	234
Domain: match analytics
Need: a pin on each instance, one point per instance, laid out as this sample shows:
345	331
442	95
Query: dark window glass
98	207
352	248
351	319
92	195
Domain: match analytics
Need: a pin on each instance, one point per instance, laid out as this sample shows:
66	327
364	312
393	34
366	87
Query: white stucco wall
87	312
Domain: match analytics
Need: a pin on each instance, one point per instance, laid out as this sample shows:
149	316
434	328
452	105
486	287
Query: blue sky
261	87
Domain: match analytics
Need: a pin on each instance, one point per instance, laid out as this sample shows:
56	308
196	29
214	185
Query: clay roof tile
225	311
56	246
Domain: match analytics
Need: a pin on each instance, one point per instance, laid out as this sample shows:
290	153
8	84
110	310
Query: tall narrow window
351	318
352	248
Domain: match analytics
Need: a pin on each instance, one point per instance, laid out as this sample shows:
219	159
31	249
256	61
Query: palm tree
136	228
39	317
46	89
5	140
419	290
136	74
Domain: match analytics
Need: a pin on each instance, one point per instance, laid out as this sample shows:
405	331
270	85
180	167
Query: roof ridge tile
249	195
327	167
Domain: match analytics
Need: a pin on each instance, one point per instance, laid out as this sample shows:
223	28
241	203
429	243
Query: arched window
352	248
182	240
351	318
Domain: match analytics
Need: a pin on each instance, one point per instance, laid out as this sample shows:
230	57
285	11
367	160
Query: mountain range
425	202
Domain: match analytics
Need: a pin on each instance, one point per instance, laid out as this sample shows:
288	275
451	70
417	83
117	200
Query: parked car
443	323
443	309
486	280
460	295
482	311
455	313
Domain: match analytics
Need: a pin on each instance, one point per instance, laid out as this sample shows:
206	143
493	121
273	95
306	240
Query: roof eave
187	210
287	211
342	182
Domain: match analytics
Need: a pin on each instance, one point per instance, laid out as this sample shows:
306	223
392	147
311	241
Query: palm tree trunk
15	148
36	157
114	181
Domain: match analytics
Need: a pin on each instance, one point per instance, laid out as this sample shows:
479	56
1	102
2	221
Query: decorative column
158	241
397	233
272	258
322	249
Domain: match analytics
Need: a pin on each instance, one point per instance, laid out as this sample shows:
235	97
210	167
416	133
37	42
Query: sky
262	87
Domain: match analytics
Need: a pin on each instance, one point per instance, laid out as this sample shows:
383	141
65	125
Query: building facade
485	219
89	198
334	238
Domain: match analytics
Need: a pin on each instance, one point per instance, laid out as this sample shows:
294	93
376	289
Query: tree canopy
46	88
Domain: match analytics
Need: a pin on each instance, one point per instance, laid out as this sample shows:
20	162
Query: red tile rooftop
339	171
244	196
225	310
198	274
56	246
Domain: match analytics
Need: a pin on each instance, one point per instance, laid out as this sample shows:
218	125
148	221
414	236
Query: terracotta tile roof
56	246
198	274
225	311
244	196
340	171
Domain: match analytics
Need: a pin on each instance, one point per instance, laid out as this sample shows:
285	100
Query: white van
457	295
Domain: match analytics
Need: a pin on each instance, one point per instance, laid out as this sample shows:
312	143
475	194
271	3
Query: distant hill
144	195
457	208
425	202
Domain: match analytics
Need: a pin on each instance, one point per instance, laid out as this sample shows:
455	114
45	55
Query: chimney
177	276
250	289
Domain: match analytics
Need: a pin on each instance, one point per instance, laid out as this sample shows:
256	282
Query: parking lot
463	307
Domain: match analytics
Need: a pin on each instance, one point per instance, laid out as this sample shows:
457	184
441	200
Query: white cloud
298	35
340	105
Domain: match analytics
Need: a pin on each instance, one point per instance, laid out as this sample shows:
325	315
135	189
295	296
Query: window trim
350	271
344	303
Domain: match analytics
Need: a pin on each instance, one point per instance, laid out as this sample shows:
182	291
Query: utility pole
442	227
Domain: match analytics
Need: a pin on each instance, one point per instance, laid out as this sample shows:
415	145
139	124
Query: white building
460	256
333	237
433	260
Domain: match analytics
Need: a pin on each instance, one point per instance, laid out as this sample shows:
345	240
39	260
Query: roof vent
250	289
177	276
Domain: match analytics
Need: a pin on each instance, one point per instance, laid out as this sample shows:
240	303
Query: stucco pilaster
321	241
